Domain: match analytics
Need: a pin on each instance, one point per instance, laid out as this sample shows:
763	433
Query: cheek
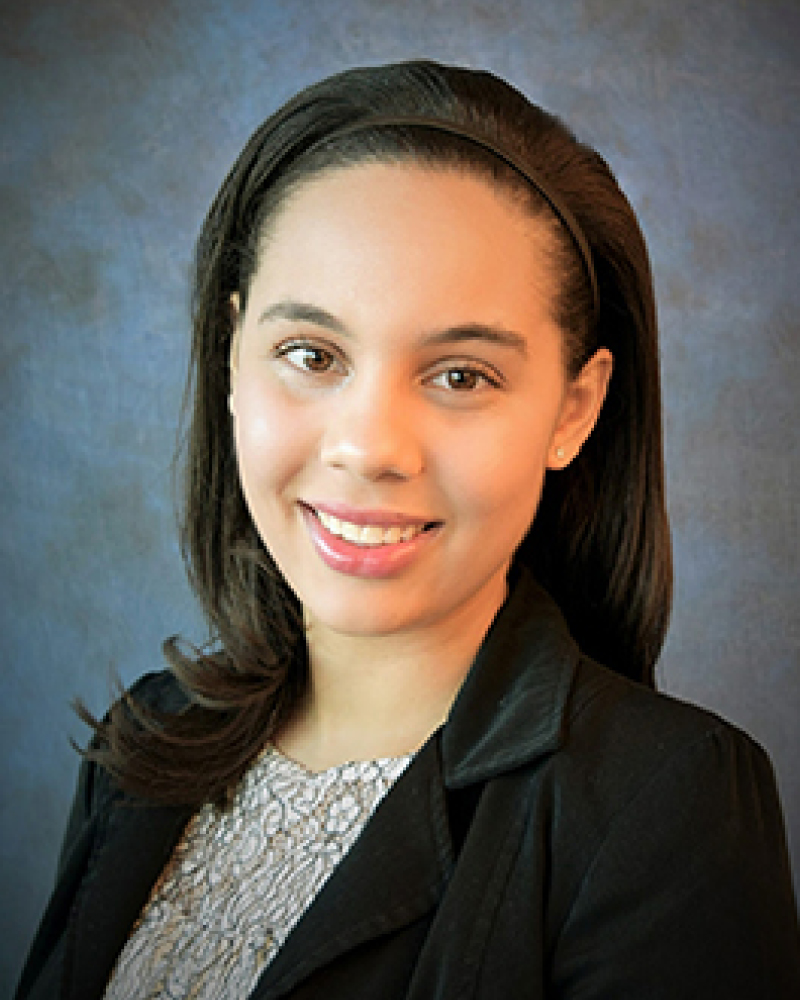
498	474
272	438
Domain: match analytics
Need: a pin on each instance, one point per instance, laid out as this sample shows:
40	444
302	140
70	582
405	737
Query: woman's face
398	391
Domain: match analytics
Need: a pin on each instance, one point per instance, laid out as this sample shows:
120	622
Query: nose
372	432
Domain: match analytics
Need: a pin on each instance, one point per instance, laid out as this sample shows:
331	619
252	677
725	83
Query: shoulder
96	791
157	691
642	779
631	719
621	738
669	842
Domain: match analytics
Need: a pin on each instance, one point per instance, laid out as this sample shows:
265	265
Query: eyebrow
478	331
304	312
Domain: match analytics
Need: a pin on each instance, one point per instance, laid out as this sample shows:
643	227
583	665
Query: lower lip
371	561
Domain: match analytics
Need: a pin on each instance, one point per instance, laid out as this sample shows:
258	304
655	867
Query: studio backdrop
118	121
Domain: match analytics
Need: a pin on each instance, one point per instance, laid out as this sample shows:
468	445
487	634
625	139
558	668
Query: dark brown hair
600	540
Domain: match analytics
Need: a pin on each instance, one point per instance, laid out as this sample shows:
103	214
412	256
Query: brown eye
462	378
308	358
316	360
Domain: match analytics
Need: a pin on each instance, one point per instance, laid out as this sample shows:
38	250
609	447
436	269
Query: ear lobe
583	401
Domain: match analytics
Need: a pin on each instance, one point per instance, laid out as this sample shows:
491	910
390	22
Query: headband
564	215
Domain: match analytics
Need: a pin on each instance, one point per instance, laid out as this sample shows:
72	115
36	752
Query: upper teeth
368	534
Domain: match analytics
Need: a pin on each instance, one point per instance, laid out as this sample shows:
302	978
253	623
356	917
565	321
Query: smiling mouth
370	535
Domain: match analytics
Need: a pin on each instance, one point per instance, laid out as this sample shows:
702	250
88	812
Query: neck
382	696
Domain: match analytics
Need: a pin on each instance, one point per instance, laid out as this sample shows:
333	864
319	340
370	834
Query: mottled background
118	120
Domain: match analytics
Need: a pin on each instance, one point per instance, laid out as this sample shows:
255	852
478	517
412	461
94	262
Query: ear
580	408
233	356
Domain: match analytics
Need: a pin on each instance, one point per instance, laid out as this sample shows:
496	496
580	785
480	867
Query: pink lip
362	515
372	562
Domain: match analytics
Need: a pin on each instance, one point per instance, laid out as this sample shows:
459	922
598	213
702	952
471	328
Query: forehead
411	233
390	184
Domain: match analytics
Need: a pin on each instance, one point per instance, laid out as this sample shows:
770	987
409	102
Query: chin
365	618
362	623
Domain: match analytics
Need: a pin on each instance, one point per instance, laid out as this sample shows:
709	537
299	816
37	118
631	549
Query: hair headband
564	215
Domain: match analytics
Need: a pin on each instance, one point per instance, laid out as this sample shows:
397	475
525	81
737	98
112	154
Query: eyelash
472	372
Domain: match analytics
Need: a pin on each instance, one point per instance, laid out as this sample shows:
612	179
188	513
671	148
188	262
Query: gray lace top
239	880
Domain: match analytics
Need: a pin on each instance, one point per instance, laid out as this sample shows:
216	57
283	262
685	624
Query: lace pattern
239	880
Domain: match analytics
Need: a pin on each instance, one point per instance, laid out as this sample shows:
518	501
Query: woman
424	501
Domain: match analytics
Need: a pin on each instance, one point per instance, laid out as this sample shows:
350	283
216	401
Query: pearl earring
559	452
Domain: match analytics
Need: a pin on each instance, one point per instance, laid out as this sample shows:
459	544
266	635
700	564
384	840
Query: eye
310	358
464	379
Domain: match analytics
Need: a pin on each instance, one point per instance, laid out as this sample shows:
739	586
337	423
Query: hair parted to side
600	540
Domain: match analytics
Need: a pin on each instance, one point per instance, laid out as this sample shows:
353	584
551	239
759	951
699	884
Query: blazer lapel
394	873
128	857
511	707
509	712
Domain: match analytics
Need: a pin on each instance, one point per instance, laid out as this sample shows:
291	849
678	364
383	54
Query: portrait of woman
424	514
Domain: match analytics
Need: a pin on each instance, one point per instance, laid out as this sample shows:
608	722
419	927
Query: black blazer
567	834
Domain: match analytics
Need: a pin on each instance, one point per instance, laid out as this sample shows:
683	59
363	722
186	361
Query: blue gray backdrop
118	120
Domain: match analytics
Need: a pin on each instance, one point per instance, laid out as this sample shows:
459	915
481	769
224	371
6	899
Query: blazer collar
512	704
